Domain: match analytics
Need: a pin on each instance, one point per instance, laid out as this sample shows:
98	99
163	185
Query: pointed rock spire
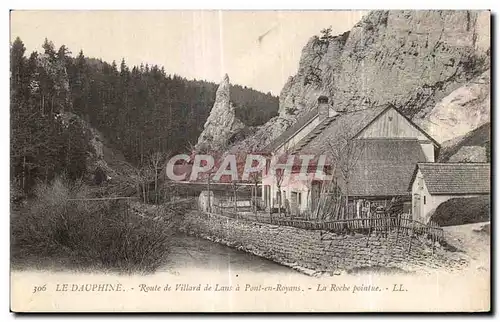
222	123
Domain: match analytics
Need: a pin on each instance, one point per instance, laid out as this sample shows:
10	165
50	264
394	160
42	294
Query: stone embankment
316	252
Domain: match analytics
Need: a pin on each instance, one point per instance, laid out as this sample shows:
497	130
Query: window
425	200
299	198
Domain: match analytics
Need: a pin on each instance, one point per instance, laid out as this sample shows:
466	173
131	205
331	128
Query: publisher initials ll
398	288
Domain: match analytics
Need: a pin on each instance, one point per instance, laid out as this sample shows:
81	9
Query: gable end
391	123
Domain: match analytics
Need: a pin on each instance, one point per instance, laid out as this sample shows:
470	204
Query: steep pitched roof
384	166
344	126
301	122
455	178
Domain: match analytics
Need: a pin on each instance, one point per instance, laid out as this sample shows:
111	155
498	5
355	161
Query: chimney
324	109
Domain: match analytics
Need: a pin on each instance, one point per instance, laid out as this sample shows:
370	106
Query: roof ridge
311	135
300	123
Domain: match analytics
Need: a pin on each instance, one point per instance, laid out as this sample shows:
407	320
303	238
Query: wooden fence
227	205
242	215
380	223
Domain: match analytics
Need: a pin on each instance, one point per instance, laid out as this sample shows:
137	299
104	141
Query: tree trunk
347	200
251	198
141	148
24	171
144	192
235	200
279	200
255	205
156	184
209	206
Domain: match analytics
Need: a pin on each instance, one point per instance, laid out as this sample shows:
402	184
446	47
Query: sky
258	49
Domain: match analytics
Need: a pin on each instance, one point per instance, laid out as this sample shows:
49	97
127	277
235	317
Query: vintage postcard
250	161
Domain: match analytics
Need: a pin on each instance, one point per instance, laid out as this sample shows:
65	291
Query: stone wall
316	251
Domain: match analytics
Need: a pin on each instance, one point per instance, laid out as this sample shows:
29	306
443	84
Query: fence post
398	223
433	237
369	231
412	231
433	242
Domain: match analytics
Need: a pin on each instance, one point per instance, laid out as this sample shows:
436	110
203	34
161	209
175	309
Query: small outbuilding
434	183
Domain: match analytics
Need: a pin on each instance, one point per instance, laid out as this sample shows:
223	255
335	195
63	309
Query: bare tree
150	173
255	177
279	175
157	161
143	176
344	152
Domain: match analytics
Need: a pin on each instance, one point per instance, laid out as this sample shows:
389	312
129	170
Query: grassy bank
55	231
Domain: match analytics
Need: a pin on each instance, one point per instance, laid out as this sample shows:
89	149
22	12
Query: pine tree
17	64
141	110
48	47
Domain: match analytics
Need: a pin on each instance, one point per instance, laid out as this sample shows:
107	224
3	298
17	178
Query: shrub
461	211
86	234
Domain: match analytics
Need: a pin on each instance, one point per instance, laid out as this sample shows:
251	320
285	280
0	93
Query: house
385	146
434	183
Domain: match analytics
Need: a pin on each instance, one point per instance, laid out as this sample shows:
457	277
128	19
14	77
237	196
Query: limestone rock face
432	65
264	134
470	154
411	59
471	147
221	124
463	110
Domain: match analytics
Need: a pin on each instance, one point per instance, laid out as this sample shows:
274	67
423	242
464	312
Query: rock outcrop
464	109
433	65
472	147
411	59
103	162
470	154
221	124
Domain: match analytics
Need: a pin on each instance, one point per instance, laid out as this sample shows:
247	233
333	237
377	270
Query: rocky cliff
222	123
433	65
472	147
464	109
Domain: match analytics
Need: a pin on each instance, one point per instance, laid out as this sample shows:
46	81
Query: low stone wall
316	251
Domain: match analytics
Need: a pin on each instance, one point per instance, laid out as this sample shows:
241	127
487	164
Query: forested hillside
140	110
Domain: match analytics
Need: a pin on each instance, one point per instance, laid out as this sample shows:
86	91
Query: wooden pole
411	237
209	204
255	196
398	222
369	230
235	200
433	242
